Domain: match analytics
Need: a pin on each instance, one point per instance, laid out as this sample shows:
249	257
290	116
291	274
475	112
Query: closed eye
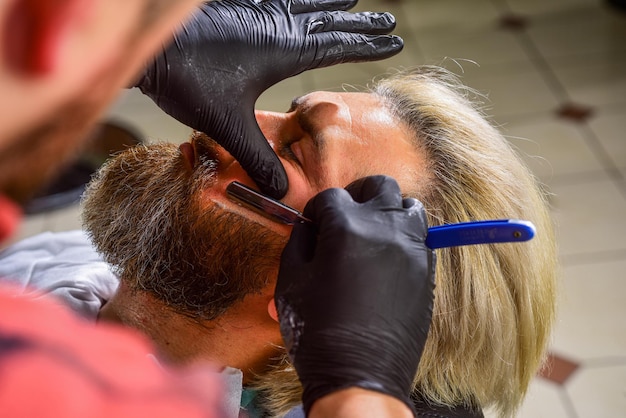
287	153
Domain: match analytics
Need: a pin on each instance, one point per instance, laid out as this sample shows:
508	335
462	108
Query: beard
144	214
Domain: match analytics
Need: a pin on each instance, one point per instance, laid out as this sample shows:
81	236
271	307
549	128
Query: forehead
364	138
362	115
355	104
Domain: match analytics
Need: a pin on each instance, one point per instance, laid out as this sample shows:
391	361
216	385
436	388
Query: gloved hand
230	51
355	291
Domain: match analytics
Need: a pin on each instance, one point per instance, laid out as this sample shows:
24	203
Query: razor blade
265	205
451	235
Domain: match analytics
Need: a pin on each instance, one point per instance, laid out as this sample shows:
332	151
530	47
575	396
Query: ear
35	30
271	310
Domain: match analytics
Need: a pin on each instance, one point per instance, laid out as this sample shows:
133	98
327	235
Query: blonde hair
494	304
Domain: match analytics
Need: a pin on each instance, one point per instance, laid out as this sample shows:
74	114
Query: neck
245	337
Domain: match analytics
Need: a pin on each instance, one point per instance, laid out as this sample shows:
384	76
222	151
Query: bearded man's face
161	214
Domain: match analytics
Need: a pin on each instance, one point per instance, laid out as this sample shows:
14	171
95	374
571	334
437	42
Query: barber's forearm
356	402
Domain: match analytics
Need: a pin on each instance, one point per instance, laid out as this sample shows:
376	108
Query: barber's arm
354	298
231	51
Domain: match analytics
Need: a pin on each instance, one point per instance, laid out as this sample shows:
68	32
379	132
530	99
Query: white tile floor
566	51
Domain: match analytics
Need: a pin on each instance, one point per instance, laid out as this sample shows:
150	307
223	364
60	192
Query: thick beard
144	215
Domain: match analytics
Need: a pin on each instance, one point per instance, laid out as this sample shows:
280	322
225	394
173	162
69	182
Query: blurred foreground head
61	63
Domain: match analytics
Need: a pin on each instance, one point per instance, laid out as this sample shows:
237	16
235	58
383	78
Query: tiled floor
533	58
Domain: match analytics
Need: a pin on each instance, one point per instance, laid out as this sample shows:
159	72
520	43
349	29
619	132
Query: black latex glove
355	291
231	51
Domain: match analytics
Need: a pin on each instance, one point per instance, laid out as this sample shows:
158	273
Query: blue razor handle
479	232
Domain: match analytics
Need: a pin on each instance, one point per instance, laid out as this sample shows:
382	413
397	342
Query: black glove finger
301	245
414	206
410	203
298	252
341	47
327	205
365	22
381	190
305	6
418	218
247	144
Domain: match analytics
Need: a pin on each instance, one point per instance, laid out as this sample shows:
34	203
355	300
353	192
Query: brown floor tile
558	369
575	112
513	22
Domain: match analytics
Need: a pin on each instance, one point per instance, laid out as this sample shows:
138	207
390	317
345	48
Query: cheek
300	191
